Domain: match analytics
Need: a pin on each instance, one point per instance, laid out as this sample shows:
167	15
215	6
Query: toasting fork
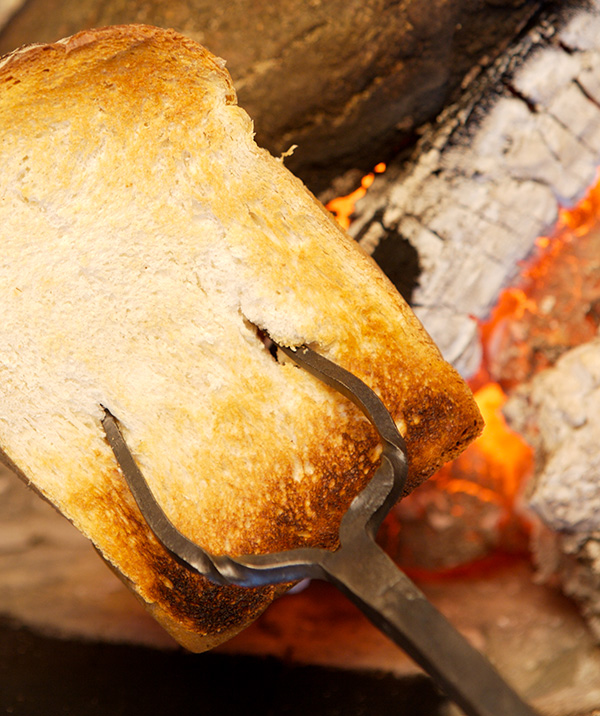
359	568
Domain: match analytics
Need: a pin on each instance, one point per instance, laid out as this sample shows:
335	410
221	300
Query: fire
572	223
343	206
583	217
505	456
474	501
554	306
500	444
556	303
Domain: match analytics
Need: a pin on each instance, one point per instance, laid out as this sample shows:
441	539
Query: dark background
41	676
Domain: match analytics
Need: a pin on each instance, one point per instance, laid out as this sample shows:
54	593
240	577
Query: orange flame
499	452
580	219
343	206
523	334
494	469
571	223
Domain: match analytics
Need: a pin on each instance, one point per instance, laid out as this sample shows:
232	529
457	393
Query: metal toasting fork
359	568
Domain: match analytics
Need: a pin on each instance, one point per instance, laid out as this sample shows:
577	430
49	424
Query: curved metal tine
181	548
369	508
352	387
364	515
259	570
362	520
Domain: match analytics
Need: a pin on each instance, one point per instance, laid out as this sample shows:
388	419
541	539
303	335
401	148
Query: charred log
558	412
487	180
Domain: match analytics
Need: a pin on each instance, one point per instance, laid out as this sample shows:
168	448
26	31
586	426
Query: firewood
558	412
487	180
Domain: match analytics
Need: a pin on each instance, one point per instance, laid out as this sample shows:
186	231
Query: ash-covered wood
489	178
558	413
348	81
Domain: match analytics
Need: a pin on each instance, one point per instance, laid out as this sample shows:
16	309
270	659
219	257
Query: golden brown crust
149	134
31	62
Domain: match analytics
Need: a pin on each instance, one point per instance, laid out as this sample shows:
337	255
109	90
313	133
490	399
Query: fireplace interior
476	125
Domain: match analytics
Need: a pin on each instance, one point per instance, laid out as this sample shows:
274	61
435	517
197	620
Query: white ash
558	412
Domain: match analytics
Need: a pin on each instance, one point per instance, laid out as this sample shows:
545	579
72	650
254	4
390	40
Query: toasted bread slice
148	245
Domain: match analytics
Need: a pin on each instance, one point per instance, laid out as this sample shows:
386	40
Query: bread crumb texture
145	240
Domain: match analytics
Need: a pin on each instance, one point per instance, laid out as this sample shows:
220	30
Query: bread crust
143	226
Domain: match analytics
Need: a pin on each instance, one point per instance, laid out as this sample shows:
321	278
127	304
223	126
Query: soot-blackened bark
488	179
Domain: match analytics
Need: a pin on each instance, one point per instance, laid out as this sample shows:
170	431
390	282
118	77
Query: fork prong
390	600
186	552
366	512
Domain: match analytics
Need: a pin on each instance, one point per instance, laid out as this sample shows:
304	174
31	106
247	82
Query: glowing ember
556	304
470	509
583	217
343	206
501	452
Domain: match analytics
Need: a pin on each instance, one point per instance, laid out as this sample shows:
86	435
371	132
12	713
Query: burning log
528	331
558	412
541	345
488	179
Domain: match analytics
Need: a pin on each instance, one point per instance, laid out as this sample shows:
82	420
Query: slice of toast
148	247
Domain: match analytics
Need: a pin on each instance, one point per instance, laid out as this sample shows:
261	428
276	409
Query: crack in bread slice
148	245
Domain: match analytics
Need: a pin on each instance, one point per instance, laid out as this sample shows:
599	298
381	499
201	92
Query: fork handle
369	578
